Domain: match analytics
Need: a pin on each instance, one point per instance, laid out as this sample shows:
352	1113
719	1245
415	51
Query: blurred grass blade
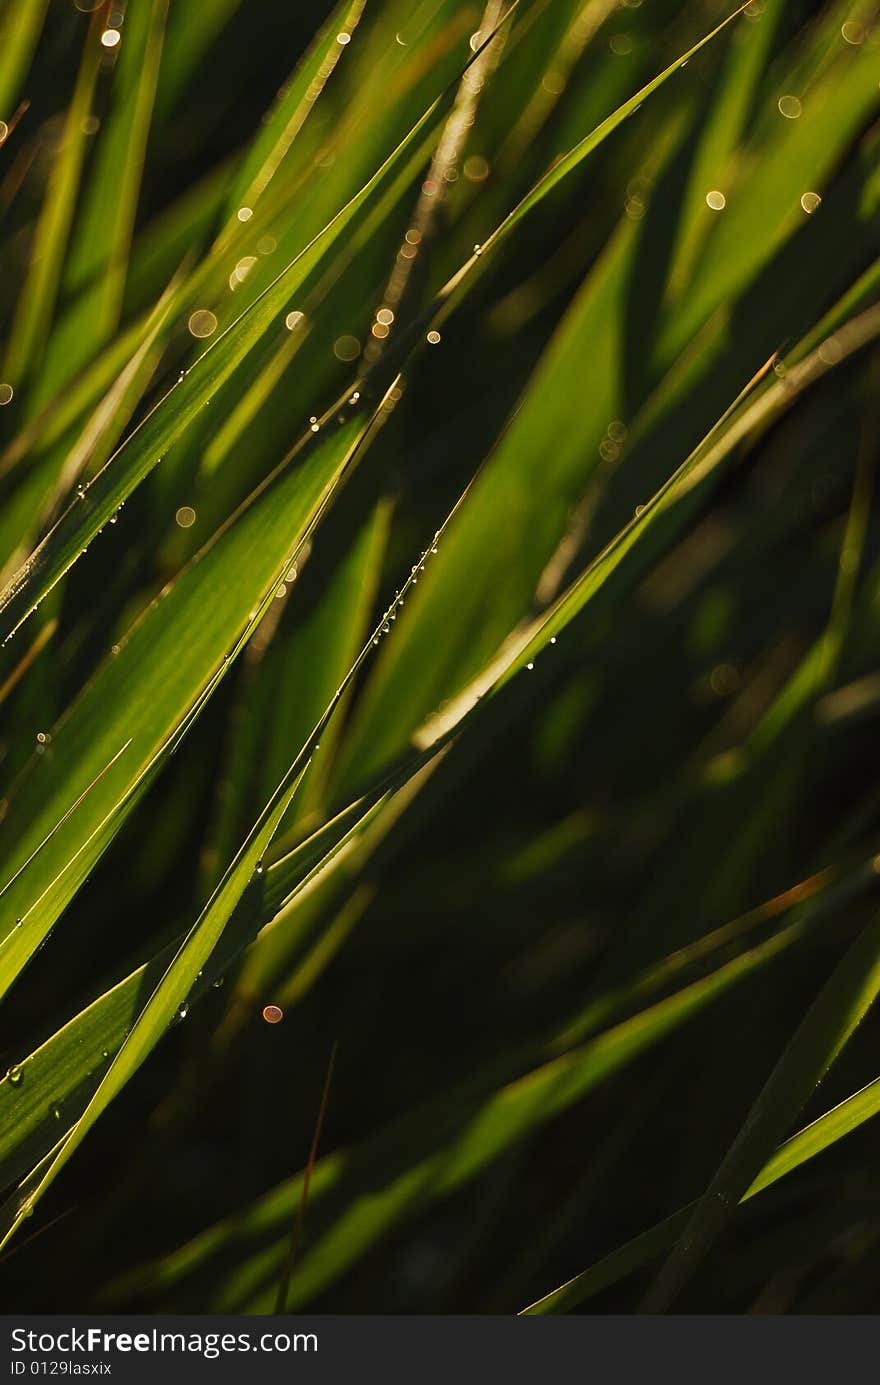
825	1029
146	446
180	406
22	23
36	303
170	997
820	1135
97	264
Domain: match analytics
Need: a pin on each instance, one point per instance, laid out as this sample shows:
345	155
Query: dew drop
182	1011
202	323
15	1075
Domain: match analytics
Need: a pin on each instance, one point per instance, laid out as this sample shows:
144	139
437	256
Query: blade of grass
814	1139
137	457
36	304
299	1220
824	1031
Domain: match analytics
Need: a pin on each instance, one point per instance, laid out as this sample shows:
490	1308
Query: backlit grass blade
21	29
36	304
97	264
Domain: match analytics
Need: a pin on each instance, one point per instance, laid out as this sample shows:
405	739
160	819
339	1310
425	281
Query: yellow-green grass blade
825	1029
21	29
193	27
36	303
137	457
97	263
157	678
515	656
492	559
746	418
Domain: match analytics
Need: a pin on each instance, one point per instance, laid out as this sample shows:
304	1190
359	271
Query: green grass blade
36	303
97	263
826	1028
21	29
821	1134
292	109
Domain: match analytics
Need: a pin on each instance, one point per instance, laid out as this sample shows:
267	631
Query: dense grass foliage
440	625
